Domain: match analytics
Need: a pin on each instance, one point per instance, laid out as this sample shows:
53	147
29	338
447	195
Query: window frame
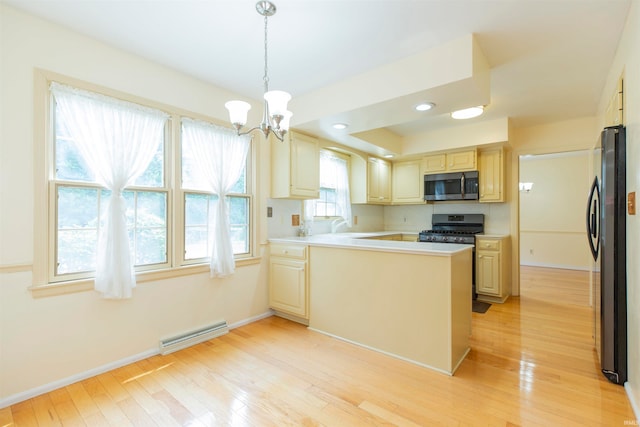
45	280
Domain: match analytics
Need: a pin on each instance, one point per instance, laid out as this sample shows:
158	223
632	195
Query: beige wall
47	341
552	224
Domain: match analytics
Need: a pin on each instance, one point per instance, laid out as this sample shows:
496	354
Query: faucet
337	223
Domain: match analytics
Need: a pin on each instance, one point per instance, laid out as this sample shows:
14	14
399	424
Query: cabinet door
378	181
461	160
488	272
491	173
435	163
288	286
384	181
305	167
408	183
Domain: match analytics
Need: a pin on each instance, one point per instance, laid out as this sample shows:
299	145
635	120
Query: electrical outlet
295	220
269	212
631	203
530	251
355	220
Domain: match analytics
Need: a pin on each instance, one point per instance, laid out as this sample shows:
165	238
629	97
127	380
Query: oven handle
462	185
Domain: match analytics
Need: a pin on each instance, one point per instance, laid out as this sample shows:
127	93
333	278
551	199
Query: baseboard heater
194	337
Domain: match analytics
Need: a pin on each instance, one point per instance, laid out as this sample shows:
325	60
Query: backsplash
409	218
418	217
369	218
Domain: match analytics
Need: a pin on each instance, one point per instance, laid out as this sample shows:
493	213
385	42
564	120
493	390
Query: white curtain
117	140
343	197
334	173
219	156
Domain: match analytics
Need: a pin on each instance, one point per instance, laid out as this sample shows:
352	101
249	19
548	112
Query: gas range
453	228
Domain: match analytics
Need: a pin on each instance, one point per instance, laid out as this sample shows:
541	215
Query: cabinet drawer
490	245
289	251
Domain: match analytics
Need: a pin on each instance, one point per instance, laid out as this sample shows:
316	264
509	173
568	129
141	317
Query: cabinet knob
487	245
285	252
479	256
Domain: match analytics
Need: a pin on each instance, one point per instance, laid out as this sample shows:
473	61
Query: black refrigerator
606	225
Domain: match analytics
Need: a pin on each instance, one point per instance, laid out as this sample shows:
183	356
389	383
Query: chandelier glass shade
276	117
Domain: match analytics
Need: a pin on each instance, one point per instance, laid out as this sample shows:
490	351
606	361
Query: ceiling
548	60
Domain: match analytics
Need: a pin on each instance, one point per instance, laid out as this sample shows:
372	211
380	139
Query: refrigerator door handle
592	219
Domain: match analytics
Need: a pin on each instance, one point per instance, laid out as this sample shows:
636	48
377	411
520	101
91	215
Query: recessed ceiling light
340	126
425	106
468	113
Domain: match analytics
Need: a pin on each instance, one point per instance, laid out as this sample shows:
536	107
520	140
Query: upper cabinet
295	167
455	161
491	175
378	181
407	183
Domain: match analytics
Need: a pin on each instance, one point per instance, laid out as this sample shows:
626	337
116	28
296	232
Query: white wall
552	224
47	341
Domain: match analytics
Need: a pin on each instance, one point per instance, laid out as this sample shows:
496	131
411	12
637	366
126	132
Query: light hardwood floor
531	364
554	284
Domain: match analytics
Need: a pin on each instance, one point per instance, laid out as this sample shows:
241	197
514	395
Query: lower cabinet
289	280
492	268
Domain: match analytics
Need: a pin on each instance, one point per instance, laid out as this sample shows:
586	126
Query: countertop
362	241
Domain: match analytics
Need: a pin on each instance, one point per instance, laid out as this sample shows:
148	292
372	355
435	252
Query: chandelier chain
265	78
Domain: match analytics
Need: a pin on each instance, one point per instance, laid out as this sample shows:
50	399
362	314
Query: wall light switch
631	203
355	220
295	220
269	212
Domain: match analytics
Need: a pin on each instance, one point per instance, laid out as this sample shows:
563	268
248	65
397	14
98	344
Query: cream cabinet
295	167
289	280
378	181
492	268
491	175
454	161
407	183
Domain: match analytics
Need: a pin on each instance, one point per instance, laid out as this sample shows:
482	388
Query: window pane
77	231
198	214
196	243
150	228
76	251
197	211
239	224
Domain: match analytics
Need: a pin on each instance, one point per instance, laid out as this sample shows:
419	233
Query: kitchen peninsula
411	300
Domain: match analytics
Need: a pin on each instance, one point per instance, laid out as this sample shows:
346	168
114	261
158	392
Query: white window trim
43	174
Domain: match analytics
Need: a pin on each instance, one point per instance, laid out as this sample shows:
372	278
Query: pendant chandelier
275	118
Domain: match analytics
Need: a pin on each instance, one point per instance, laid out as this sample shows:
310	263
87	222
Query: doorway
554	255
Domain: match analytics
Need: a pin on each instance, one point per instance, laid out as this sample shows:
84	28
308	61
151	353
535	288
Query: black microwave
451	186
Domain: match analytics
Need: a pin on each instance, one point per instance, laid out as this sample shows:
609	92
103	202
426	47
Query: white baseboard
561	266
63	382
264	315
28	394
633	401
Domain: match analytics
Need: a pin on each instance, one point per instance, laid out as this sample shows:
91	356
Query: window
200	198
167	216
335	199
